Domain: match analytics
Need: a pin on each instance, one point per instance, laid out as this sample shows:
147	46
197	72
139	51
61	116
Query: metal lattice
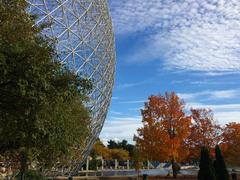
85	42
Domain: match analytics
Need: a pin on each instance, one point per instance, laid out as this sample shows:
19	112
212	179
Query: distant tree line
121	145
114	150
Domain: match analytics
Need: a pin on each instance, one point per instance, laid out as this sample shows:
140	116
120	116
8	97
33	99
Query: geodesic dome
85	41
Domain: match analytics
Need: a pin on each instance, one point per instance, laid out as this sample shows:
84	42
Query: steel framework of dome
85	41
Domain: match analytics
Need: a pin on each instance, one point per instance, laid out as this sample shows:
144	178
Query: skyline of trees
168	133
203	130
113	150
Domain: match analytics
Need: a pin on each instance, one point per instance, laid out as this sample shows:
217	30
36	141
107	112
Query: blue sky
191	47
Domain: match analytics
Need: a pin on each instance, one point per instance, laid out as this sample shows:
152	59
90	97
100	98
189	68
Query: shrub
206	171
220	166
32	175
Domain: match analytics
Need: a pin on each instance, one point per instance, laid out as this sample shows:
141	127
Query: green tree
42	114
65	122
32	174
138	160
119	154
128	147
112	144
121	145
94	163
220	166
206	171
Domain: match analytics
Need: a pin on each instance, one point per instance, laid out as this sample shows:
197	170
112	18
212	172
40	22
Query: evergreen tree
220	166
206	171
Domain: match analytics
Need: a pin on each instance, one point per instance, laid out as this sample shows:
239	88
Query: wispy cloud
223	113
116	113
132	102
217	107
224	94
115	98
134	84
136	109
204	82
137	15
192	35
206	47
120	128
129	85
227	117
210	94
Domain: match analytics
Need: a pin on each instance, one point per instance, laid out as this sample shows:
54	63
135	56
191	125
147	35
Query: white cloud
188	96
224	94
120	128
216	107
116	113
211	94
115	98
223	113
136	109
137	15
227	117
132	102
129	85
195	35
134	84
207	47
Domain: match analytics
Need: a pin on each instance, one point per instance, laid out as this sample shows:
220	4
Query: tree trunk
23	164
174	170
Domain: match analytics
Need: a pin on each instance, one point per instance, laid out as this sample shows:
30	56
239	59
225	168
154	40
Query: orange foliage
108	154
101	150
204	132
119	154
231	143
165	128
168	133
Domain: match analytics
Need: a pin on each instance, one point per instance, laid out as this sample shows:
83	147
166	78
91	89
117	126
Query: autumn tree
114	150
165	128
231	143
100	149
121	145
204	131
119	154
